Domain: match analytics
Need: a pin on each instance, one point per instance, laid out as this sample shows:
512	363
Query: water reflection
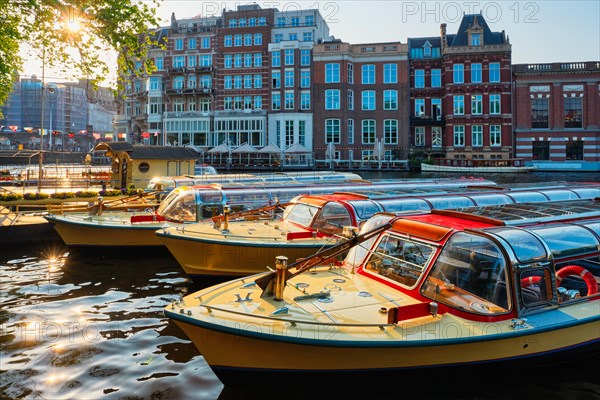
86	326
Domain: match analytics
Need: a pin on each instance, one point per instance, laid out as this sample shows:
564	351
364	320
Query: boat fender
587	276
530	280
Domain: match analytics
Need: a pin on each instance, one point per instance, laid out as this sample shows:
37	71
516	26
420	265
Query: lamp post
41	154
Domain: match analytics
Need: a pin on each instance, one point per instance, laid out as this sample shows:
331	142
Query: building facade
461	93
557	115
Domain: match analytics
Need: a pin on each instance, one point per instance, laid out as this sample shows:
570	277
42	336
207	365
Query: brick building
360	105
557	115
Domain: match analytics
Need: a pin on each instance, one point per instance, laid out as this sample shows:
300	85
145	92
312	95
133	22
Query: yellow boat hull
233	258
97	234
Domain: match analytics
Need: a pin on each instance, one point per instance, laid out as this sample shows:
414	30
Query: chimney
443	36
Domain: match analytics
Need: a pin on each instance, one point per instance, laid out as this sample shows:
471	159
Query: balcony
428	120
176	70
203	69
188	114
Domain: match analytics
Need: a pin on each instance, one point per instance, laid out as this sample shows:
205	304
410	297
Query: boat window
560	194
168	201
357	254
578	278
535	286
593	226
491	199
528	197
300	213
587	193
364	209
469	274
332	219
405	205
183	209
399	259
526	246
244	198
567	240
448	202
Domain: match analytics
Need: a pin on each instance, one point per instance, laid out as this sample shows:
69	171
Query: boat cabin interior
495	261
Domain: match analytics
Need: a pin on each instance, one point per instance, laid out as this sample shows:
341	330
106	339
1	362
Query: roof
297	148
420	42
461	38
270	148
149	152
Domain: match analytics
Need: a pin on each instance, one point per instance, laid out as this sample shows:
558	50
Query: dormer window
427	49
475	39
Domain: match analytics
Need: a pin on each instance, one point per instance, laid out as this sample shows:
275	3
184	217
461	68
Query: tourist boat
194	203
450	296
249	244
476	165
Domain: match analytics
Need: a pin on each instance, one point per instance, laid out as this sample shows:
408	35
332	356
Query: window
237	60
206	43
257	60
262	21
276	77
368	131
572	112
289	78
332	99
292	36
494	104
247	60
436	109
159	63
350	99
206	60
248	81
368	74
419	108
155	105
227	103
237	40
302	132
540	150
289	100
458	73
155	83
280	22
276	59
305	78
278	37
309	20
307	36
257	102
251	21
227	41
390	99
332	73
206	81
242	22
191	43
332	131
476	104
436	78
289	56
495	135
178	105
539	113
476	135
419	78
459	105
351	73
248	39
390	73
257	39
191	82
368	100
574	149
178	62
350	131
232	23
237	82
178	82
295	21
276	101
257	81
305	100
237	103
459	135
436	136
228	60
390	131
191	61
247	102
475	39
178	44
494	72
476	73
419	136
305	57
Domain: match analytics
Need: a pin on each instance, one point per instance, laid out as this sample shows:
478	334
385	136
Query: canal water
89	324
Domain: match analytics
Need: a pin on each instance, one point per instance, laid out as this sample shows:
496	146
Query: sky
539	31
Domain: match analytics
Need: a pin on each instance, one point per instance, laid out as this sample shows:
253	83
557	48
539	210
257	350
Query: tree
43	26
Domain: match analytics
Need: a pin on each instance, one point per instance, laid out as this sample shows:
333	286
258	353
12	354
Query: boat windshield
332	219
357	254
300	213
469	274
179	206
